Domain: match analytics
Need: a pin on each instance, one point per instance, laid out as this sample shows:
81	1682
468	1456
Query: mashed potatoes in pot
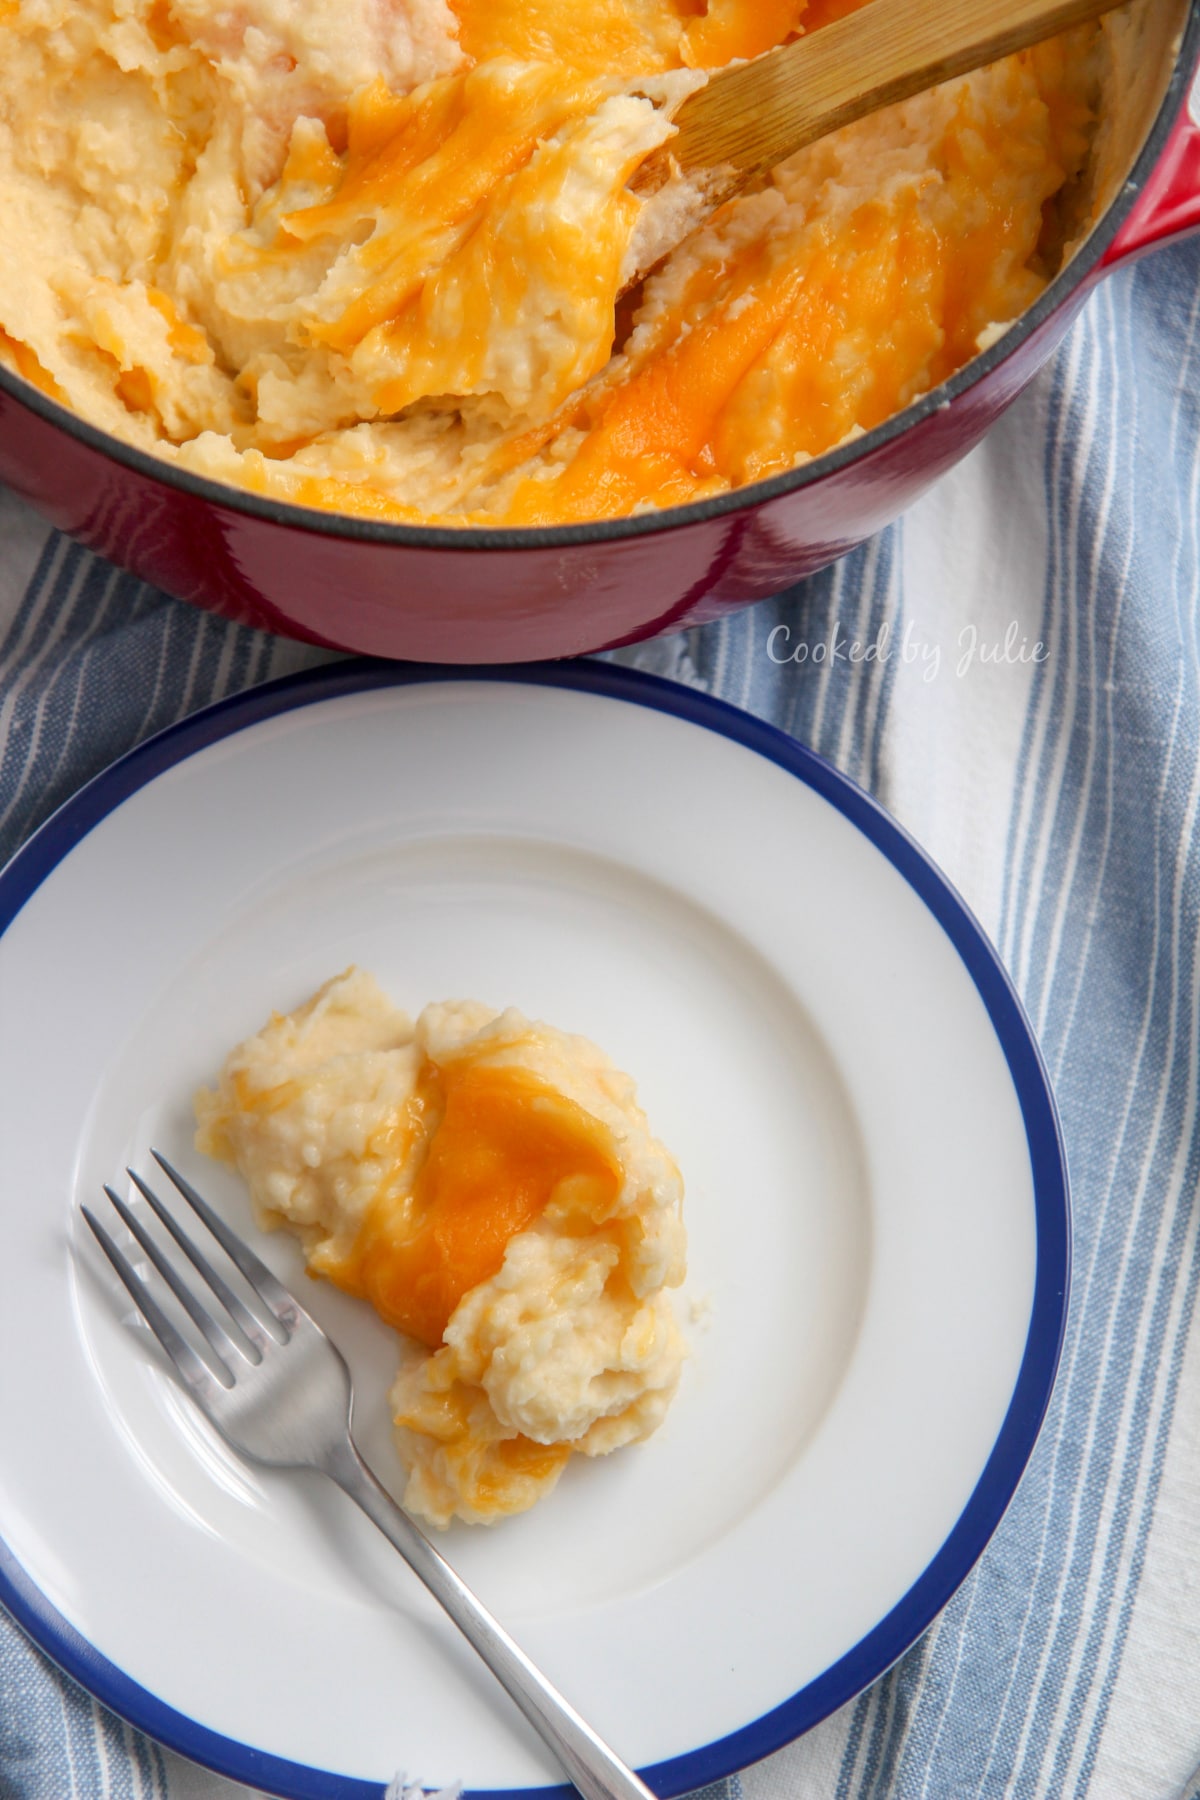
365	255
491	1186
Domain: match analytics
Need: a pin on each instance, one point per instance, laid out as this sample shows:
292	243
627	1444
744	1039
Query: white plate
876	1208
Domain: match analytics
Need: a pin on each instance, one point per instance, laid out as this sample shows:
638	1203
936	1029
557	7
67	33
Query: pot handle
1169	205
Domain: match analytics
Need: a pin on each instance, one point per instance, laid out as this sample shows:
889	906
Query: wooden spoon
749	118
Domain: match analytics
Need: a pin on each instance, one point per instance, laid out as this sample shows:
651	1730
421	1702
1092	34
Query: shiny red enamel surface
1169	205
534	596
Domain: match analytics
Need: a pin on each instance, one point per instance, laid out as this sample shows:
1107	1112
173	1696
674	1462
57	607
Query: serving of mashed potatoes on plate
491	1186
365	255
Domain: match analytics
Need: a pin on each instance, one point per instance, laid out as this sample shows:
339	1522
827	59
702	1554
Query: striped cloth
1032	714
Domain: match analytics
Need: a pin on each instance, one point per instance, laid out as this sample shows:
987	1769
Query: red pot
470	596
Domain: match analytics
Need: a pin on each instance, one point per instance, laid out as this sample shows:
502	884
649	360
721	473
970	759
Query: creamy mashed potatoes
491	1186
366	255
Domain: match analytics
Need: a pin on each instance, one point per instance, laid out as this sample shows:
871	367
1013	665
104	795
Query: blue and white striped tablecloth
1032	714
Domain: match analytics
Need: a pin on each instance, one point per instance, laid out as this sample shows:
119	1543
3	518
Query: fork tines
247	1334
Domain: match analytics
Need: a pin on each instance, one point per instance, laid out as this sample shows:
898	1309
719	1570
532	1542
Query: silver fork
280	1391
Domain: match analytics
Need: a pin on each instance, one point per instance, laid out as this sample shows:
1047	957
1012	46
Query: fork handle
596	1771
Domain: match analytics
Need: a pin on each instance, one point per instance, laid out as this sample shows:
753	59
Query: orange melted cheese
503	1146
26	363
627	37
603	37
727	31
416	316
421	169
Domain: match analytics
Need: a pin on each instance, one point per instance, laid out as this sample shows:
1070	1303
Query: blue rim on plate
900	1628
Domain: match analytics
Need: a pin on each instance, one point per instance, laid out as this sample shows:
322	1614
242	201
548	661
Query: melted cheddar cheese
490	1186
500	1146
367	258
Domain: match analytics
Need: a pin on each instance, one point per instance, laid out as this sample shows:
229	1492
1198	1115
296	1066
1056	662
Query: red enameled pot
507	595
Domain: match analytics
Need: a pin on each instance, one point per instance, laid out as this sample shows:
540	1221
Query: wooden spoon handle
752	117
